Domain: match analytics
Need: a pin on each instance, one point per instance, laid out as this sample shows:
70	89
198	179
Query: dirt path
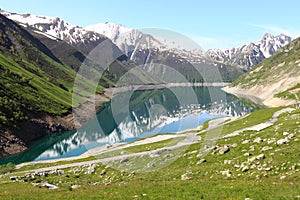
190	139
261	126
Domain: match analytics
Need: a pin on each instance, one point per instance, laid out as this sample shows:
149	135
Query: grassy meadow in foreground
239	173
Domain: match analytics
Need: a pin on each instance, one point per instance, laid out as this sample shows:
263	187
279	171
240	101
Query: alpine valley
59	49
246	132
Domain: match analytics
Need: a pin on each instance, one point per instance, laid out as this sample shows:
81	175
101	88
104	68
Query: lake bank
42	124
260	95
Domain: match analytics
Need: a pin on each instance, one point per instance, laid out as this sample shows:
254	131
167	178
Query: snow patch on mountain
130	40
54	27
250	55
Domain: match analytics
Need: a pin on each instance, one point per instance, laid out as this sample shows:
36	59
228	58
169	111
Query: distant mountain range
131	41
252	54
57	29
136	46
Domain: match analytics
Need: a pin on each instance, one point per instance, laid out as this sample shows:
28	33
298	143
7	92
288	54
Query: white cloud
276	30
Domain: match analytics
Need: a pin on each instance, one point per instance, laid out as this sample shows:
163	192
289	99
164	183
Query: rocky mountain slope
277	76
130	40
148	51
36	85
252	54
56	28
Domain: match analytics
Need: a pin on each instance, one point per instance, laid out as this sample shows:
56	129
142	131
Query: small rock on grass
282	141
285	133
185	176
246	141
228	162
245	169
75	186
224	150
282	177
226	173
234	145
124	160
290	136
247	154
103	172
201	161
258	140
260	156
266	148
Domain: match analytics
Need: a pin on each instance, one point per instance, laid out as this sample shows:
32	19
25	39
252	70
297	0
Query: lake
136	114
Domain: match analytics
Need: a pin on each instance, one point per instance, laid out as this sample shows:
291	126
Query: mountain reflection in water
146	112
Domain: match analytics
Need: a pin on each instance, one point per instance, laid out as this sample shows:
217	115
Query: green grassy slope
32	79
23	91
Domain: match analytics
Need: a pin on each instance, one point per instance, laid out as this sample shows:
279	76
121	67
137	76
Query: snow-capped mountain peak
130	40
269	43
28	19
109	29
56	28
250	55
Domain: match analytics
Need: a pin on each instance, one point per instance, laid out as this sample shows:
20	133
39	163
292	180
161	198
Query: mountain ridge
130	40
57	29
247	56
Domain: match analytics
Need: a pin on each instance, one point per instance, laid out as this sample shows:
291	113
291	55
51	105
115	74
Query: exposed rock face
10	144
40	124
201	161
282	141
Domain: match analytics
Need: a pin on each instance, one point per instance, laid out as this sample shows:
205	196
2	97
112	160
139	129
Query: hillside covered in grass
34	84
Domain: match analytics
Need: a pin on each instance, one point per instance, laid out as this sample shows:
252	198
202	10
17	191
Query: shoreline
253	95
121	89
98	150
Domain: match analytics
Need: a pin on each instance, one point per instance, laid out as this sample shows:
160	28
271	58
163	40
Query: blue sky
211	23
